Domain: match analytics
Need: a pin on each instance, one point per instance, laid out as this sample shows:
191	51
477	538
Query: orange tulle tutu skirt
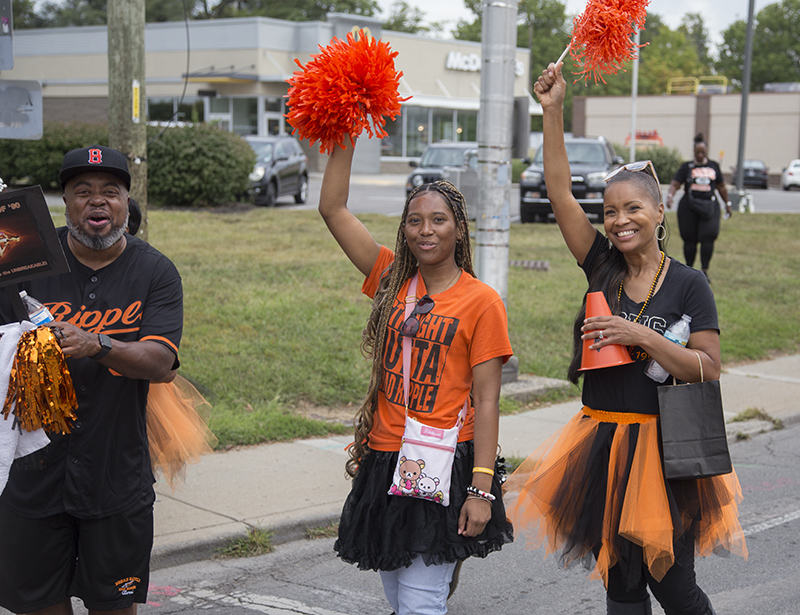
176	427
597	487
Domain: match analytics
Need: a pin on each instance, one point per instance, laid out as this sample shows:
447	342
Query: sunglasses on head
411	324
639	165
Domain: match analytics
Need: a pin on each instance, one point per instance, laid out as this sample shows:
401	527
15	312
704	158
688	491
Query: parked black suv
590	160
281	169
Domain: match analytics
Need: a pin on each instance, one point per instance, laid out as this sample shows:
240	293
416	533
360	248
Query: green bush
28	163
666	160
517	167
197	165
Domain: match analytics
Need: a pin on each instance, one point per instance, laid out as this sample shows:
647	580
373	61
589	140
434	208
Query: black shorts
104	562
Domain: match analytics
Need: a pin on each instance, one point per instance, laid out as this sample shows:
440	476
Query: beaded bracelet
473	490
477	497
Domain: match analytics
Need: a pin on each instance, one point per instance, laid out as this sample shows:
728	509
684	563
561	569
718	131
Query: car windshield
438	157
580	153
263	151
754	164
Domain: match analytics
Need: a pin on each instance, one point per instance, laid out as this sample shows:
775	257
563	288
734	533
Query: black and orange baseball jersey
103	466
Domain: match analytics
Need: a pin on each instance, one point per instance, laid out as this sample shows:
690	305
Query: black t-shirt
103	466
626	388
702	178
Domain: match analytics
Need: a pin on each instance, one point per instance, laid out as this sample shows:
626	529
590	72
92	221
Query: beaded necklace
650	292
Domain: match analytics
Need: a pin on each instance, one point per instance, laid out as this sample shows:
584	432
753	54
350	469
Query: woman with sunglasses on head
459	342
596	492
698	211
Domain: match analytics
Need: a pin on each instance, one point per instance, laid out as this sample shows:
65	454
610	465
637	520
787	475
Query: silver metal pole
493	222
748	60
634	94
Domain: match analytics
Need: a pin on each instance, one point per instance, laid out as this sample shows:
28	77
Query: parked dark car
590	160
756	173
455	161
281	169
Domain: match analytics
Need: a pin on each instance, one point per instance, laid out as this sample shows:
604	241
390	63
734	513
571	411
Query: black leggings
677	593
696	230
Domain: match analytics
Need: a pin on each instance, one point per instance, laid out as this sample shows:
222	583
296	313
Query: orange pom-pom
346	89
601	36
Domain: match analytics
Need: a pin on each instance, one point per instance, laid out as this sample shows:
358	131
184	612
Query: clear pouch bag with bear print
425	461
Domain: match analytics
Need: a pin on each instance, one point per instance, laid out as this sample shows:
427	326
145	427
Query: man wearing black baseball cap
78	519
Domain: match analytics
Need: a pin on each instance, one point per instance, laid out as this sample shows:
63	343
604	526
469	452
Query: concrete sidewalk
291	486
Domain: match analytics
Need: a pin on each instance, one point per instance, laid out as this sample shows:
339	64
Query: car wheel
302	193
270	195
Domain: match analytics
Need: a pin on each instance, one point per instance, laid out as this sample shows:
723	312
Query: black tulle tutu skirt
596	491
378	531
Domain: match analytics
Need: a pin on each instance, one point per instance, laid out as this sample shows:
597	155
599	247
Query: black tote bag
693	436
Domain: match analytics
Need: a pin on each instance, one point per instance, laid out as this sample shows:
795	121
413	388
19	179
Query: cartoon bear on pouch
410	472
427	488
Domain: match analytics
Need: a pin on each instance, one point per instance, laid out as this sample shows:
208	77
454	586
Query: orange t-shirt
467	326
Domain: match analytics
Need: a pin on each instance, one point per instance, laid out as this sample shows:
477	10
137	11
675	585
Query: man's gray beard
96	242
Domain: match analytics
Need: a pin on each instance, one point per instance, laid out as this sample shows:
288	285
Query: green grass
274	313
757	414
255	542
331	530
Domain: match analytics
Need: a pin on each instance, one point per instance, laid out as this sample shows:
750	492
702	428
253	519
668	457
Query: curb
208	548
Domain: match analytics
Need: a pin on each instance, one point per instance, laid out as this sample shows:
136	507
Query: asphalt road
305	577
386	195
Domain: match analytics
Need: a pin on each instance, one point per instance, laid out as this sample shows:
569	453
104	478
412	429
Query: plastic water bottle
38	314
677	332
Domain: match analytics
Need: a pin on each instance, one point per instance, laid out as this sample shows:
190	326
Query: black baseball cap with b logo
94	158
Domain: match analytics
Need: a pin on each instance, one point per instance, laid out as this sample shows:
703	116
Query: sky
717	14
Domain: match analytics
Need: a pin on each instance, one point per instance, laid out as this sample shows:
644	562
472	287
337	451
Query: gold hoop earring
663	232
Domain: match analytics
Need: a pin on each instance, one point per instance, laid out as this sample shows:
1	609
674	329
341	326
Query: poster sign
29	246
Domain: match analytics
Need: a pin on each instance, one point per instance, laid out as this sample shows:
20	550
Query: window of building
190	109
417	130
443	125
467	126
392	145
245	116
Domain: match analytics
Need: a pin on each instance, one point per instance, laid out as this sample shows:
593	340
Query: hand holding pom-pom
348	88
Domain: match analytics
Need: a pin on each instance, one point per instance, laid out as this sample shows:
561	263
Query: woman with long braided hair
459	342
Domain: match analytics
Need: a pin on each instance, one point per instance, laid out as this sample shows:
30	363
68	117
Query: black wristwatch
105	346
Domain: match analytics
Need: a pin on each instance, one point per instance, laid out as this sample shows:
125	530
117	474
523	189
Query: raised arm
348	231
578	232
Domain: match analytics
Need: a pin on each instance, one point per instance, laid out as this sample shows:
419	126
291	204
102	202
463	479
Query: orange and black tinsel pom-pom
347	88
41	384
601	37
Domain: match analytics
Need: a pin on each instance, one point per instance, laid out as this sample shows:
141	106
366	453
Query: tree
696	33
73	13
297	10
168	10
25	15
405	18
776	46
59	13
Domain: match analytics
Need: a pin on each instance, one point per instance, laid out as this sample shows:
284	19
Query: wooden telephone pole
126	94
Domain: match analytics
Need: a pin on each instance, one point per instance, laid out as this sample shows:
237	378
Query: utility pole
493	219
740	196
126	94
